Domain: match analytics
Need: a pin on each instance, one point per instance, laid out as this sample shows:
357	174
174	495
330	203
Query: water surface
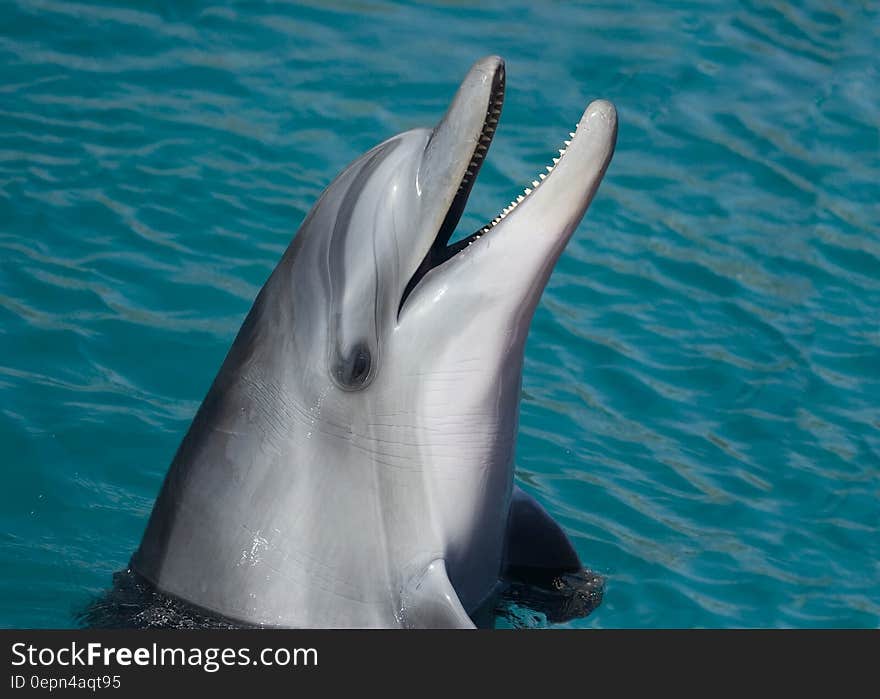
702	377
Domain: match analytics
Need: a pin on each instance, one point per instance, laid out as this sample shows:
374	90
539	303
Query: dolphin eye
360	365
353	371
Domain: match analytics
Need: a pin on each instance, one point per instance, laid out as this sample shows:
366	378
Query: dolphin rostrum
352	462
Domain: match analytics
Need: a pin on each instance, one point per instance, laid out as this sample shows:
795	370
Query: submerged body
352	463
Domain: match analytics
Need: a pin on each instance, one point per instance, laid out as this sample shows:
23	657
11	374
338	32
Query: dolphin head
374	277
412	347
379	227
364	421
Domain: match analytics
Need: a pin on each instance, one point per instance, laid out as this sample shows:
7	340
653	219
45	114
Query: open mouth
441	251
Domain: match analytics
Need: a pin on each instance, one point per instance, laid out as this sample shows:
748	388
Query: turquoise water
701	404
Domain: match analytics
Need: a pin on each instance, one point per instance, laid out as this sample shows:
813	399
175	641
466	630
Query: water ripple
700	405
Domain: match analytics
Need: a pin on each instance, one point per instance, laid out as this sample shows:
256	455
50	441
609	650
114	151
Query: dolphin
352	464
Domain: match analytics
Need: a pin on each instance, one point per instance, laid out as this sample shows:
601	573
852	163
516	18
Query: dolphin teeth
480	151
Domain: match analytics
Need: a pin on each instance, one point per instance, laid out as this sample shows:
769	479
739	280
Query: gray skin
352	463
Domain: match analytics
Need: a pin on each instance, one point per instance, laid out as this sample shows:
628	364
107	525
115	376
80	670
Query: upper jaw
459	142
452	157
466	131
